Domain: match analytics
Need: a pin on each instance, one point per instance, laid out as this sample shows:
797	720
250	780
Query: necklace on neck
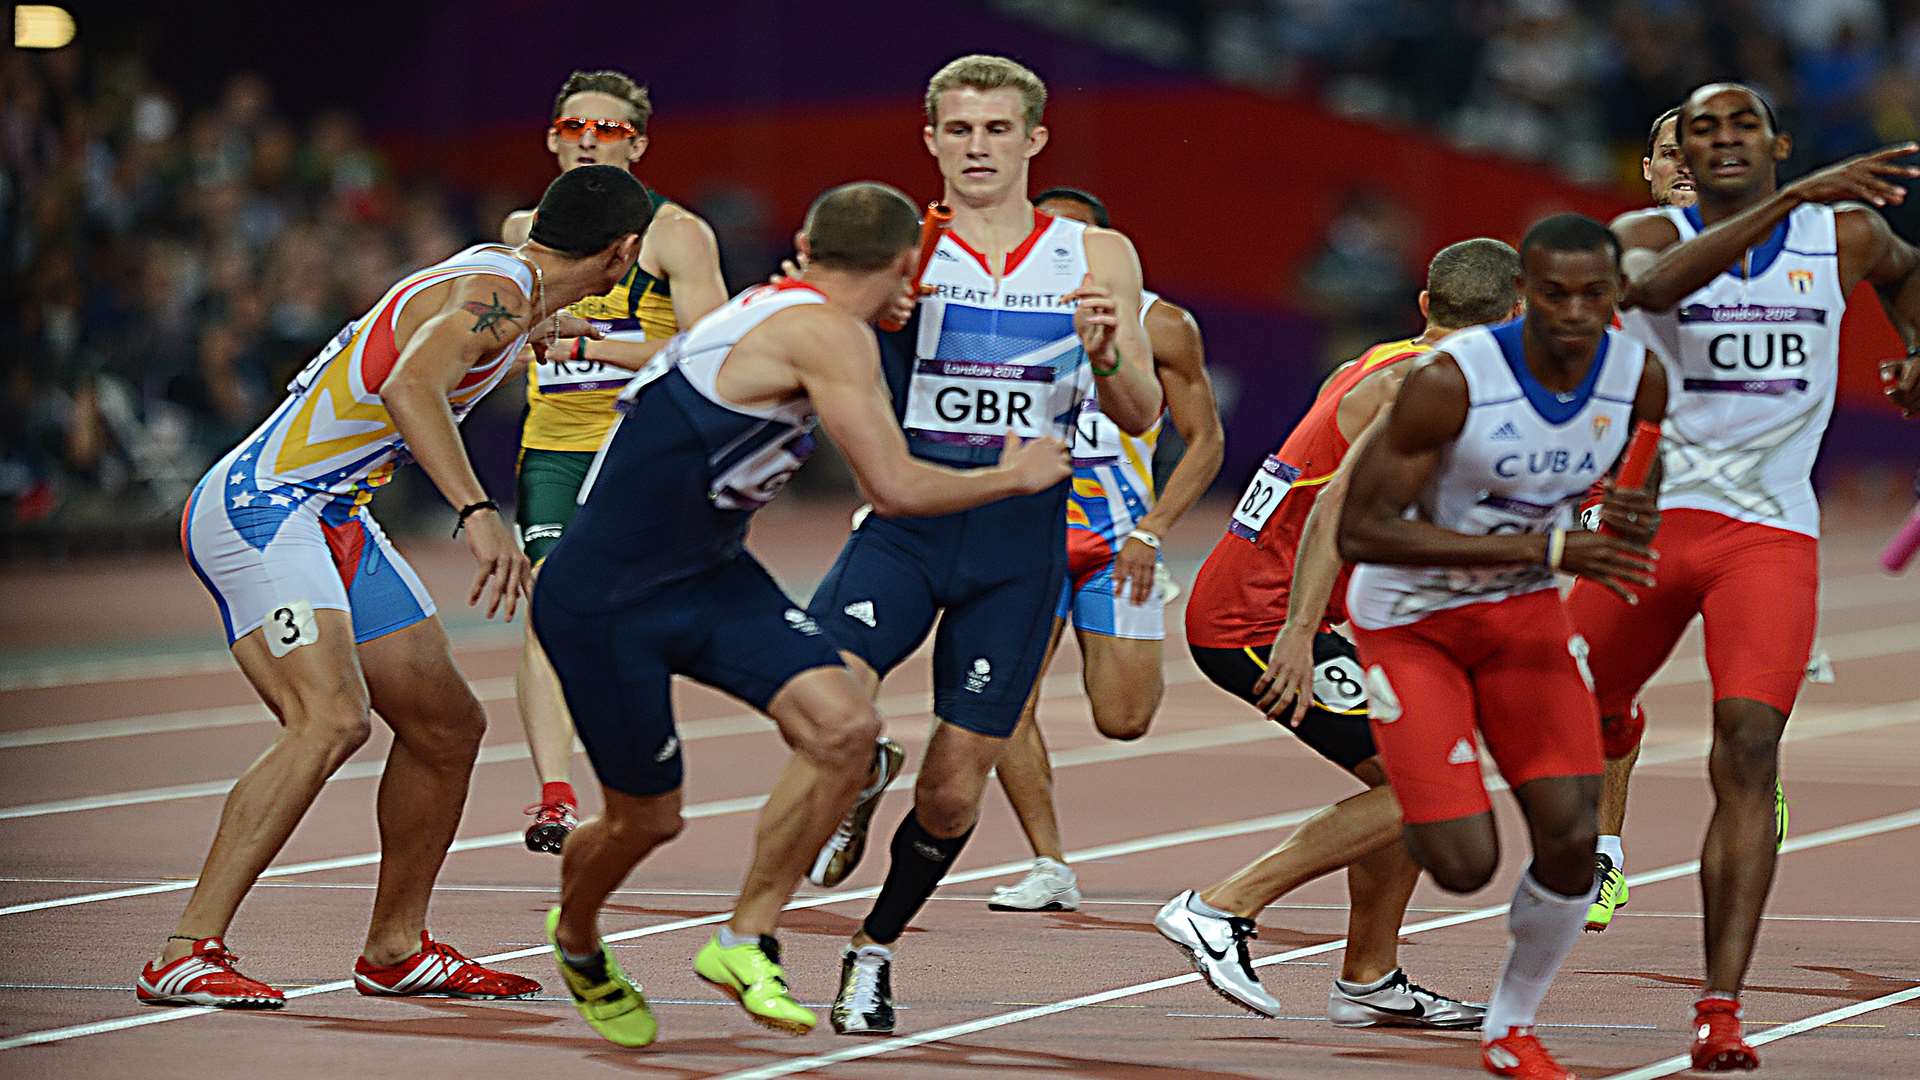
539	292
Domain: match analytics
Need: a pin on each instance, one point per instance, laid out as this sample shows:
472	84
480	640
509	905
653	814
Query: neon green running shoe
1779	814
612	1004
750	974
1613	894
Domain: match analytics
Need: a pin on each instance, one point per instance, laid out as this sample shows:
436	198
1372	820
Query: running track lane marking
1890	823
1104	851
1842	594
1843	722
1656	755
1198	739
1867	589
1859	645
891	706
1682	1063
1856	645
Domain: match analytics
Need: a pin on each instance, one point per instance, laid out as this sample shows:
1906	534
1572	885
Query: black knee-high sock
920	860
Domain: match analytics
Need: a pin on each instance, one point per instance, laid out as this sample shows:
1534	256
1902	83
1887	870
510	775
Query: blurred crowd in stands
170	262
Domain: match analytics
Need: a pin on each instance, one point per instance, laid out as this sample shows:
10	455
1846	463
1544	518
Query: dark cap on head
860	226
1085	198
590	207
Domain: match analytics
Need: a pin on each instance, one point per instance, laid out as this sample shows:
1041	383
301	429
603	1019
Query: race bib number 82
1262	497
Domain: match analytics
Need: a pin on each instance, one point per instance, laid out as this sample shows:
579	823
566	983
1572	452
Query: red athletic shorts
1758	588
1512	668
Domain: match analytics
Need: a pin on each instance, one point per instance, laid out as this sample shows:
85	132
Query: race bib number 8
1262	498
1338	686
975	404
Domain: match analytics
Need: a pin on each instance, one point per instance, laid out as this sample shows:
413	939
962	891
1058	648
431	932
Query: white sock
1610	847
729	939
1542	926
1201	907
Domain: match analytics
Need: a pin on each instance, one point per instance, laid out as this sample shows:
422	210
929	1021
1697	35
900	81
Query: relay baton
1641	450
939	217
1905	543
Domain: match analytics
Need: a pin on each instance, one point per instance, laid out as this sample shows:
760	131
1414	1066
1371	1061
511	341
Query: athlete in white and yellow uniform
599	118
329	624
1114	525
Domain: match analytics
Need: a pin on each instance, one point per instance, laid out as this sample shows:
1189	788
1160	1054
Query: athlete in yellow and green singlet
599	118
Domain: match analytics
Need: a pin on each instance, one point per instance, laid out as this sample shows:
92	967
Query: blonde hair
982	72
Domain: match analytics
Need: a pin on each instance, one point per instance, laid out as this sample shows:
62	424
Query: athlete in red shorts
1742	297
1260	626
1491	443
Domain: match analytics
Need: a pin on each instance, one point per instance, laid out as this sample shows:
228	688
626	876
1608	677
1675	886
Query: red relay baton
1642	448
939	217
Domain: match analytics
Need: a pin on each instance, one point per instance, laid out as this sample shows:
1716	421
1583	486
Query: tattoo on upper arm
488	317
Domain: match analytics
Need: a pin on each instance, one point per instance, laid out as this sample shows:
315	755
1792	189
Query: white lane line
1811	724
1173	742
1889	823
1104	851
891	706
1844	594
1863	644
1673	1065
1653	755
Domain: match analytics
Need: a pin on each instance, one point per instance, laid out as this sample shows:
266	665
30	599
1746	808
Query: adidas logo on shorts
980	675
1462	754
668	749
1382	703
863	611
1506	433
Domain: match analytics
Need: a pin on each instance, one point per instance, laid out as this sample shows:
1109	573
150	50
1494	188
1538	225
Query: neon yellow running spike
750	974
1613	894
1779	814
614	1007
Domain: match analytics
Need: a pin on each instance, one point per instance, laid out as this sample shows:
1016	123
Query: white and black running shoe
1400	1003
1218	948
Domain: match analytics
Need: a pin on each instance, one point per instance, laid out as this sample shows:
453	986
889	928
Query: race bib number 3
1262	498
290	626
976	404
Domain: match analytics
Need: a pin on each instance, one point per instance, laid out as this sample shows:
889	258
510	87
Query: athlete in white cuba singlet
326	620
1458	513
1741	296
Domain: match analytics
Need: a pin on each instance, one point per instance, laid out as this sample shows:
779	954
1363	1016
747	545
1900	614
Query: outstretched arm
1682	268
837	362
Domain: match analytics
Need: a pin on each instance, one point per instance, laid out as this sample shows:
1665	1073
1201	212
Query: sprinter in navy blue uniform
652	580
1027	315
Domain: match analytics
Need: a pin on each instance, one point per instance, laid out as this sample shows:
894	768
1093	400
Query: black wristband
471	509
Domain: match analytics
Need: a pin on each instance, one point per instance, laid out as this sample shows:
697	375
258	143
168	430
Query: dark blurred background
192	200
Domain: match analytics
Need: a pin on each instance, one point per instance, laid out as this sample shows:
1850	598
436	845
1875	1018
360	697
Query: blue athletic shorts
730	627
995	572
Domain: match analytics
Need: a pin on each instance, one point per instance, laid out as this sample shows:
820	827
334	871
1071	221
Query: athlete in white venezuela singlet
1741	296
328	622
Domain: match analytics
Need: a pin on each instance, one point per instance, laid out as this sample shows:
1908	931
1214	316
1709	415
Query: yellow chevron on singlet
563	417
334	434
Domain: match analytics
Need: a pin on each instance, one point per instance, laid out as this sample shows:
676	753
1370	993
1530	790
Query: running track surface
121	721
